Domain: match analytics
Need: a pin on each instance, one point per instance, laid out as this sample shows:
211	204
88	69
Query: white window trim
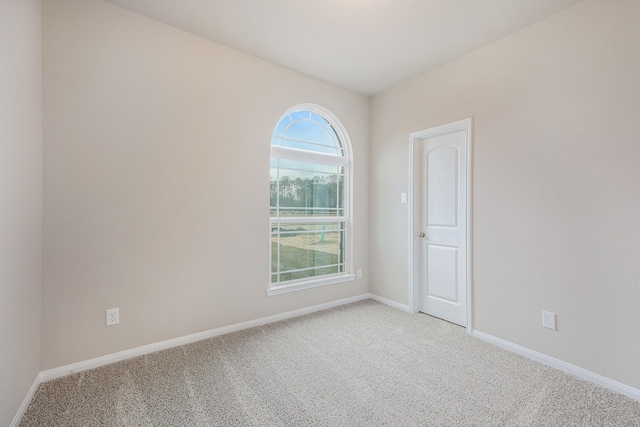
299	285
347	162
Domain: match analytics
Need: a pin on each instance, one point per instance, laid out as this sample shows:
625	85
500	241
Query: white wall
20	201
556	183
156	171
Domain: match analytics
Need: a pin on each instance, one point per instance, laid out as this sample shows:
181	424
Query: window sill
308	284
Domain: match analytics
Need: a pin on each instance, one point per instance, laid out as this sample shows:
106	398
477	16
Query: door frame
414	206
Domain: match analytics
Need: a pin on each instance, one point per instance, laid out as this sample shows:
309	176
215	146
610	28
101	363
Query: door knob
421	234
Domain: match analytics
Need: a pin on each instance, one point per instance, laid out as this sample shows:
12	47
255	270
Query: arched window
310	223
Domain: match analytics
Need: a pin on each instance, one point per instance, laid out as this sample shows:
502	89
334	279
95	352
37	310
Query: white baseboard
187	339
389	302
25	403
619	387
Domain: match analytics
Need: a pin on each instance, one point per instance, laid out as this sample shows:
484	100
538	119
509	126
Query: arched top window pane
305	130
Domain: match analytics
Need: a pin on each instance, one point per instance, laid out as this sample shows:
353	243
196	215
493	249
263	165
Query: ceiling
363	45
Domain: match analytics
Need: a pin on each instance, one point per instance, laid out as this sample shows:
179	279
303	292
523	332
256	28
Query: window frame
345	161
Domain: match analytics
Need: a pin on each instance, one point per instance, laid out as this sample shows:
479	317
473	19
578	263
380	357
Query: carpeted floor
363	364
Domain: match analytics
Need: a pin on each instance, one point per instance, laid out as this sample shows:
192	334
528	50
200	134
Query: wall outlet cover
113	316
549	320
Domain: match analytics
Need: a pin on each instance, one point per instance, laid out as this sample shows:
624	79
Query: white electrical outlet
549	320
113	316
403	197
359	273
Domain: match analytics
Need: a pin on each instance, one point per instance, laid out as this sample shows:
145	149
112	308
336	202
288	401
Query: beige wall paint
156	171
556	183
20	201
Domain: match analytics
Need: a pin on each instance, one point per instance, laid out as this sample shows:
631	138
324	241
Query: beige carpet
363	364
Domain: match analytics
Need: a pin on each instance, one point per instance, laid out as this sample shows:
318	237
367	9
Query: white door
442	222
